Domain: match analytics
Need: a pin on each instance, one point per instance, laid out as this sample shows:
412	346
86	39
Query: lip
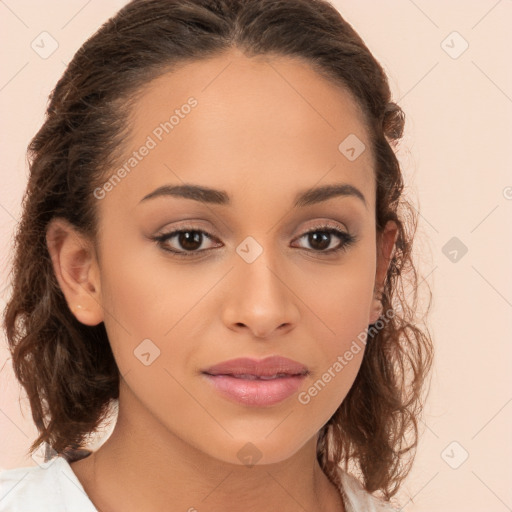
251	381
258	367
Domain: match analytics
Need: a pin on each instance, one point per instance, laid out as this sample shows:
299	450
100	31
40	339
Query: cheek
340	300
145	301
338	356
341	303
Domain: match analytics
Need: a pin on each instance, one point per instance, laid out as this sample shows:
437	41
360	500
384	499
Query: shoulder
47	487
358	499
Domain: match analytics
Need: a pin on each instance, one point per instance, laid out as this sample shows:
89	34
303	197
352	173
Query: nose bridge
259	297
257	269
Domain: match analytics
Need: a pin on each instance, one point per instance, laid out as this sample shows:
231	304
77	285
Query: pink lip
263	367
243	380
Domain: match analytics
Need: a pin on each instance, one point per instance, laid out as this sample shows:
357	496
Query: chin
250	451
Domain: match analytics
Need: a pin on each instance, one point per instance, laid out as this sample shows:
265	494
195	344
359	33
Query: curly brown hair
67	368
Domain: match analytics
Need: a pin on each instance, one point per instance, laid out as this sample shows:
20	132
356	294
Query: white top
53	487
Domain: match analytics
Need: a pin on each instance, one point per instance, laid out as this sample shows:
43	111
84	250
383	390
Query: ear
76	269
385	249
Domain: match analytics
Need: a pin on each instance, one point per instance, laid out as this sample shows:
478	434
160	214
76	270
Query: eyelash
346	240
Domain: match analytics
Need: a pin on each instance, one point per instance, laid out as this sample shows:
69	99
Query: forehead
266	124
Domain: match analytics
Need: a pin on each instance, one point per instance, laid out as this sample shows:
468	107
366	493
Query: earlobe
76	269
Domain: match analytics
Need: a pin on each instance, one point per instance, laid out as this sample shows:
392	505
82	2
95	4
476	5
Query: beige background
456	156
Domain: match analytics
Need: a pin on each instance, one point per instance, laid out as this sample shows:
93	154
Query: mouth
271	367
257	383
248	376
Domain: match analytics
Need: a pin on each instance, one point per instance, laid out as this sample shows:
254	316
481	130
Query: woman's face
257	133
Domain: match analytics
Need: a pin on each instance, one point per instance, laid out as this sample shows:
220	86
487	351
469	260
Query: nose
259	299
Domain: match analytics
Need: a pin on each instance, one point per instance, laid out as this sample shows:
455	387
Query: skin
264	129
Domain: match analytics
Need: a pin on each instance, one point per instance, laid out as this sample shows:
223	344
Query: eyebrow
220	197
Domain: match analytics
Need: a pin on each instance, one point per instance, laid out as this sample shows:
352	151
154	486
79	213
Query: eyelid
322	224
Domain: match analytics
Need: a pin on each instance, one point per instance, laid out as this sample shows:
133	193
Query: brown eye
321	238
184	241
190	240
